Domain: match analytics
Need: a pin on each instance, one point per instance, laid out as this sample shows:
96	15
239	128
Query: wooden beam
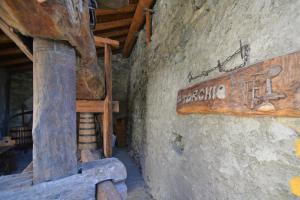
4	39
10	51
15	38
20	68
116	33
137	23
113	24
94	106
14	61
100	42
107	115
125	9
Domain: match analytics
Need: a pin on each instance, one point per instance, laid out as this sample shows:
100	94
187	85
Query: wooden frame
94	106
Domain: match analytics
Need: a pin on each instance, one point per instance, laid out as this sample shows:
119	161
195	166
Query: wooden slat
115	33
10	51
4	39
137	23
94	106
113	24
5	28
20	68
107	115
100	42
14	61
269	88
126	9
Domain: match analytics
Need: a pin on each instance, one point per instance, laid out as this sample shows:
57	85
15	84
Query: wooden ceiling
111	23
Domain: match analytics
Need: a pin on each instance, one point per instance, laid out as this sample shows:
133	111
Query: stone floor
135	183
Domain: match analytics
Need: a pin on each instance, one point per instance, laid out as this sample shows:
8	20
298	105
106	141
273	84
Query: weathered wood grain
54	114
93	106
270	87
107	114
76	187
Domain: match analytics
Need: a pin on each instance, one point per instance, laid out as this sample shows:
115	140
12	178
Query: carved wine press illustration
260	89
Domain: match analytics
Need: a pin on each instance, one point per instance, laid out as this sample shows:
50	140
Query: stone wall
210	156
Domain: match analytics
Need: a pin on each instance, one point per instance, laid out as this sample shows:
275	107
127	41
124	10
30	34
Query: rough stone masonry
210	156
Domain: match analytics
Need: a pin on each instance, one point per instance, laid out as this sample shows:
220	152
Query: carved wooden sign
270	87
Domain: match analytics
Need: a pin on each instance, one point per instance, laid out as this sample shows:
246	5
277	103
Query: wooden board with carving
271	87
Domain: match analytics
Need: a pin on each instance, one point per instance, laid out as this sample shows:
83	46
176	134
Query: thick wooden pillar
54	110
107	114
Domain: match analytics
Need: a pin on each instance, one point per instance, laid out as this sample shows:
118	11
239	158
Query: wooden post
107	114
54	110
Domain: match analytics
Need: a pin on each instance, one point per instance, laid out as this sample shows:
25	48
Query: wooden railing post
107	115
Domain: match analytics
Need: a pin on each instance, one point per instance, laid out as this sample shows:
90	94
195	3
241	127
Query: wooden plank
125	9
113	24
270	87
107	115
10	51
137	23
14	61
100	42
94	106
115	33
5	40
15	38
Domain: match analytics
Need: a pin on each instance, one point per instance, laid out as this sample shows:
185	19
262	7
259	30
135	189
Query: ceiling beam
137	23
123	10
15	38
20	68
14	61
116	33
10	51
113	24
4	39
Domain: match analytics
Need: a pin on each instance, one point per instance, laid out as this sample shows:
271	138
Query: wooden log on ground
107	191
271	87
79	186
137	23
107	115
54	114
